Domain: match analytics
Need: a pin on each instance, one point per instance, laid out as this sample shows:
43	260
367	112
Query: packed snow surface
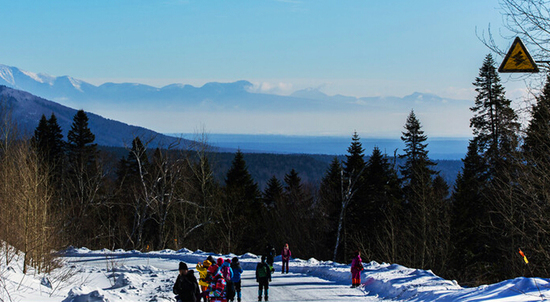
104	275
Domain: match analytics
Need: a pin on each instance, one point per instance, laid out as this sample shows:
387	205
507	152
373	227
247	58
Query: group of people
220	280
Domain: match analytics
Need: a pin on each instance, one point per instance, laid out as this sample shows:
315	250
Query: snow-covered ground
97	276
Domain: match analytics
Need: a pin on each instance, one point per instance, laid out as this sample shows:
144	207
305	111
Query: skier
186	287
263	277
356	268
202	268
270	256
285	257
237	271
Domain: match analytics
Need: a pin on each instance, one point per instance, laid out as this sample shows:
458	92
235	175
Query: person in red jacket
356	268
285	257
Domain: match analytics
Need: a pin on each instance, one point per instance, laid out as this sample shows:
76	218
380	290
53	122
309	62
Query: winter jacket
356	264
263	271
237	271
217	292
286	254
186	287
213	270
226	271
203	271
270	255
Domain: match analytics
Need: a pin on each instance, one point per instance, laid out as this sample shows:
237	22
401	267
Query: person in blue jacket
237	271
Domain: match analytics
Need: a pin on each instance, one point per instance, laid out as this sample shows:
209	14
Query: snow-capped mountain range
235	107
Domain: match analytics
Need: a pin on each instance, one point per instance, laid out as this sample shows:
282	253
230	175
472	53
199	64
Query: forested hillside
59	191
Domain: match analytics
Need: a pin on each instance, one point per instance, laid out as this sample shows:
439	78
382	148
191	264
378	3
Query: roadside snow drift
105	275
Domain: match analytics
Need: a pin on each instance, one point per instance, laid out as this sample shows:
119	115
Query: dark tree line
403	213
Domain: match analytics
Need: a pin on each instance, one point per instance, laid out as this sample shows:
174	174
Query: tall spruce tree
494	123
84	178
417	168
534	182
273	192
356	211
40	140
417	176
48	139
55	142
293	188
495	202
537	139
467	218
383	195
242	211
333	205
82	151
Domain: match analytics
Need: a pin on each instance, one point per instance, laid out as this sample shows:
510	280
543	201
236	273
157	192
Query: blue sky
359	48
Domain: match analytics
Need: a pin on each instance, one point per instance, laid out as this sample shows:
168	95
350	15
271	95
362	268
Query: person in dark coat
263	277
270	256
186	287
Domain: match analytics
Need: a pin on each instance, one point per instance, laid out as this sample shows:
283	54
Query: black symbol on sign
519	59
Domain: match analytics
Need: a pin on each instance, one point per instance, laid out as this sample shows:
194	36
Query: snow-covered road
151	279
108	276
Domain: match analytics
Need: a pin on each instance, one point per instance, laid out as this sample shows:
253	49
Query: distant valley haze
234	108
233	116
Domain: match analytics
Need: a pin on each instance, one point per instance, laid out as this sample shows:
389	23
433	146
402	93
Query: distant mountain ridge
238	107
27	109
235	95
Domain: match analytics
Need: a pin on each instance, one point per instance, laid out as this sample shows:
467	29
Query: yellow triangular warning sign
518	59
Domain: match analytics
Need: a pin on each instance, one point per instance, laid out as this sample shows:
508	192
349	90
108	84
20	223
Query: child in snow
202	268
186	287
227	274
217	288
356	268
263	277
237	271
285	256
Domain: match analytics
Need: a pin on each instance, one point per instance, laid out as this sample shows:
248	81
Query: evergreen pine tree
355	162
537	139
533	182
489	196
273	192
84	179
331	200
494	122
56	151
417	169
242	210
418	191
41	137
293	188
55	140
383	196
238	181
82	151
468	213
356	211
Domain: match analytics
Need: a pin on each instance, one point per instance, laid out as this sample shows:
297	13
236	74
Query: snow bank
114	278
387	281
85	294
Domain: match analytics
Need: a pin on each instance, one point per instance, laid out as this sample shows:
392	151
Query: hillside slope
27	109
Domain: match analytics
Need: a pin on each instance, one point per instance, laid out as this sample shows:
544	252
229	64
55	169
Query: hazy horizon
441	148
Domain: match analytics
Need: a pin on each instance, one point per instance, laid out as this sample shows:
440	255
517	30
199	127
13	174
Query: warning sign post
518	59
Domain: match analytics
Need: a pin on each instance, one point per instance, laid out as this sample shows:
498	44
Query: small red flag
524	257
